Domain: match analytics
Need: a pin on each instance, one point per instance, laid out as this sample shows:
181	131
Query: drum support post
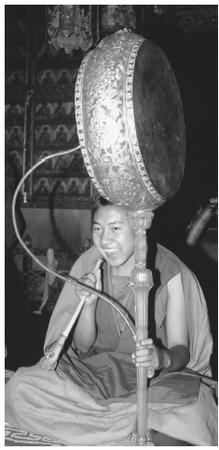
141	283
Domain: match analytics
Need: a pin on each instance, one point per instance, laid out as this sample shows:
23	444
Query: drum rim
156	198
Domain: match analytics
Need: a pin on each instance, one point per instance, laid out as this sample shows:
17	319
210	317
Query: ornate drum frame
108	120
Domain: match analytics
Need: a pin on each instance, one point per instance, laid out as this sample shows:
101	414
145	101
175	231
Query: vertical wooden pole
141	282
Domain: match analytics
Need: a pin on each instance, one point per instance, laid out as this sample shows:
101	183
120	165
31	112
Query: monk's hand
92	280
147	355
52	352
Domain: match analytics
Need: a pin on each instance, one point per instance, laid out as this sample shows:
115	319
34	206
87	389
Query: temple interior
42	59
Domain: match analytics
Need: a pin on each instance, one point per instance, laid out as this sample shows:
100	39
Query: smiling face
113	237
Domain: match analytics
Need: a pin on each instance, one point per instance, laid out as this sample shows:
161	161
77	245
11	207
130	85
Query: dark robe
91	399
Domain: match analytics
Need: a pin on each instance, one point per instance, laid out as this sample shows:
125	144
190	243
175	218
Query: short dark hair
101	201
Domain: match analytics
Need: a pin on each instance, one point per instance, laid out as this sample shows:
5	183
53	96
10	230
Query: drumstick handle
67	330
52	353
80	305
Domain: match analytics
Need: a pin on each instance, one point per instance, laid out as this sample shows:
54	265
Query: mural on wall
40	84
44	123
115	17
63	181
39	108
70	27
70	30
14	107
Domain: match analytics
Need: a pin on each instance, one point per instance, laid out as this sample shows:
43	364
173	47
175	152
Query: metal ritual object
131	130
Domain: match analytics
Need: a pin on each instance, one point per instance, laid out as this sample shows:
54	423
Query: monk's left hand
147	354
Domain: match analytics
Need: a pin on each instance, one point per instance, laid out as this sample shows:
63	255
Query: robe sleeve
68	300
200	338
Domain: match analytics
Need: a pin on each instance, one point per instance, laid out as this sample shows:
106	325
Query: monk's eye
116	228
96	229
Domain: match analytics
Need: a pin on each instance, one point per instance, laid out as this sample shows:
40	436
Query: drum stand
141	283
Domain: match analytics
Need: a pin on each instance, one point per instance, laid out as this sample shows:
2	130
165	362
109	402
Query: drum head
130	121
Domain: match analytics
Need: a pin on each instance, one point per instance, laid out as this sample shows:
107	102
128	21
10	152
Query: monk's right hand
93	280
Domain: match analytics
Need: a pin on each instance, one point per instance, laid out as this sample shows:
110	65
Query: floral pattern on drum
105	123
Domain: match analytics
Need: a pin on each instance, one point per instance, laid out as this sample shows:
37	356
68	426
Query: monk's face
113	236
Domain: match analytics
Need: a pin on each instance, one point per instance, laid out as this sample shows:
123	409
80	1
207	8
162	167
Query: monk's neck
125	269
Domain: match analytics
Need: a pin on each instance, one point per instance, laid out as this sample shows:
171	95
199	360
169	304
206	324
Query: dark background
188	35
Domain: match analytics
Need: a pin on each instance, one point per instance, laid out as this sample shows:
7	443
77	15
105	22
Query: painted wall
59	229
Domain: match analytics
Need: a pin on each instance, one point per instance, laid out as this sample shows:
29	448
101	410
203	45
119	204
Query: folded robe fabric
91	399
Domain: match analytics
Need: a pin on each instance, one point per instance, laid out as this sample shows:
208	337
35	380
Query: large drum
130	121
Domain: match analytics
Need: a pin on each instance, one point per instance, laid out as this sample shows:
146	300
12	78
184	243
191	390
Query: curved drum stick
80	305
52	353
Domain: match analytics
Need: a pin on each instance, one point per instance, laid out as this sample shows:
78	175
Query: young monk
90	398
113	237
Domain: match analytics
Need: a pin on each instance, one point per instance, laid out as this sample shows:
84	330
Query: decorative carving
55	136
67	165
56	76
44	111
114	17
62	181
53	102
69	27
70	187
61	136
16	158
64	111
53	93
43	137
64	77
15	137
106	127
16	78
14	114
